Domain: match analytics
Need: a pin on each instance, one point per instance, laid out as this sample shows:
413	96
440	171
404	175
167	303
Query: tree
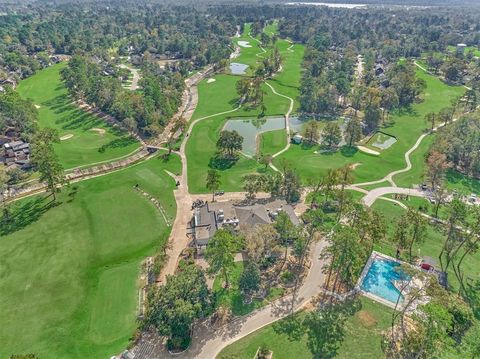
287	232
252	184
213	182
46	161
173	307
229	142
372	117
437	165
446	114
332	135
261	242
353	132
266	160
430	119
311	133
220	253
417	230
457	213
400	236
388	101
440	195
249	281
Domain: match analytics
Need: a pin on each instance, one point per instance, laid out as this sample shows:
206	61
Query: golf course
70	268
85	138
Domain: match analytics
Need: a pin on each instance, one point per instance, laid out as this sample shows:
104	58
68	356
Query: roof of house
209	218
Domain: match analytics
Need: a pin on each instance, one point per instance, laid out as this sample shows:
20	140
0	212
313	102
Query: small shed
297	139
461	48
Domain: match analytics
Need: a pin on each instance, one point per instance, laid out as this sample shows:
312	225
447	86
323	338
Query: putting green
87	145
69	273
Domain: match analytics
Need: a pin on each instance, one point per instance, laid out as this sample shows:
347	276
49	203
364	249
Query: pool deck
376	255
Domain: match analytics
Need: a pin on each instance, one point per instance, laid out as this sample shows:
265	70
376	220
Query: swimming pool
380	278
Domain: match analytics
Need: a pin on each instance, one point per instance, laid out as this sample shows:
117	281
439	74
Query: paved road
374	194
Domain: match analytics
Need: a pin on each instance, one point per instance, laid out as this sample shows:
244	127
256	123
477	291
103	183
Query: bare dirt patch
66	137
100	131
366	319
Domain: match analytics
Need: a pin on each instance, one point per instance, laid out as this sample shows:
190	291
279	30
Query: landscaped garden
70	269
86	139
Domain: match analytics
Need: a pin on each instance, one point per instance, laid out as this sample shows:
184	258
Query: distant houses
16	154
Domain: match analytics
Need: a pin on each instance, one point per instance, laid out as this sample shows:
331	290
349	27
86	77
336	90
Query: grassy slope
220	96
46	90
69	280
361	338
272	141
407	128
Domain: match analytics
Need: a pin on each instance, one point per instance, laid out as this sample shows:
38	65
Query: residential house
208	219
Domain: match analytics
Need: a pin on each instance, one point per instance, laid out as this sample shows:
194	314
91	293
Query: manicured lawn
232	297
406	126
272	141
69	273
362	334
56	110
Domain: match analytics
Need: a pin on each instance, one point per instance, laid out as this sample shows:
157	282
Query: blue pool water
380	277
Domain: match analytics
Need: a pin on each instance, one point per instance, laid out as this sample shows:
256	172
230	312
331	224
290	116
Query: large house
16	153
209	218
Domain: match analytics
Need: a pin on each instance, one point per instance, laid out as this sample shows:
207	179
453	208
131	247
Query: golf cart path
408	167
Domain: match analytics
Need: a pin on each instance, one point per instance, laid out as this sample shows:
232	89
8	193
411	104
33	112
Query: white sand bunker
100	131
37	107
244	44
209	81
66	137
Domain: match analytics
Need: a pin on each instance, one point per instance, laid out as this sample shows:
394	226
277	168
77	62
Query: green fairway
406	126
220	95
362	334
69	273
272	141
92	141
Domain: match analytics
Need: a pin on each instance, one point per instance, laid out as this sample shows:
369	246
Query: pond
244	44
249	129
238	69
382	140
